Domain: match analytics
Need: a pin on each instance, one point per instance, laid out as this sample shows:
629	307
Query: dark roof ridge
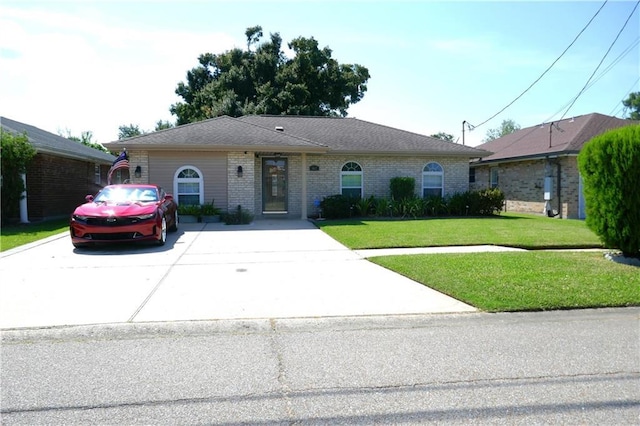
349	118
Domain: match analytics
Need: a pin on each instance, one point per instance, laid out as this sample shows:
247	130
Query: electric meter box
548	187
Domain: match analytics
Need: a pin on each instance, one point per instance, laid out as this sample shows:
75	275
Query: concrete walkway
269	269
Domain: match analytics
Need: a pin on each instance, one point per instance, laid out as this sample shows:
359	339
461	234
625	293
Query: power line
602	60
602	74
547	70
617	107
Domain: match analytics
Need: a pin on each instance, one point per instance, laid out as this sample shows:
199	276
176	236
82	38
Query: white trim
352	173
199	180
428	173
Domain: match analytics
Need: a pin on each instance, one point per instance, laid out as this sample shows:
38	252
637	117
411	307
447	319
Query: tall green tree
632	106
610	169
85	138
129	131
261	80
506	127
443	136
162	125
16	153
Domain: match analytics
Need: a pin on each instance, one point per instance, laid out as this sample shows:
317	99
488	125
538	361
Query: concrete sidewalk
268	269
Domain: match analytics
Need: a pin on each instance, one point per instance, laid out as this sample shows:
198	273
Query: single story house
537	167
61	174
282	166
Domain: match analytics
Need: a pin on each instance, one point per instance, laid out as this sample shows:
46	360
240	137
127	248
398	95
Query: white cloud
81	74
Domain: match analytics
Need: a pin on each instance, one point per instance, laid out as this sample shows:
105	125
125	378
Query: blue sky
95	65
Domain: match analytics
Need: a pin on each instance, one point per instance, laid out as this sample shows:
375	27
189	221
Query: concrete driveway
269	269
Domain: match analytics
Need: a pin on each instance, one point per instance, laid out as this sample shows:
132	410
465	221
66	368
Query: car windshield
124	194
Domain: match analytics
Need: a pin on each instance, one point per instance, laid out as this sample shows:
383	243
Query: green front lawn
17	235
523	281
508	281
508	229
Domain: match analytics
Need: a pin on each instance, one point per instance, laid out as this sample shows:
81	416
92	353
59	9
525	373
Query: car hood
115	209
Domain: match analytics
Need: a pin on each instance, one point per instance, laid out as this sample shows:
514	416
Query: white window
188	186
432	180
96	174
494	177
351	180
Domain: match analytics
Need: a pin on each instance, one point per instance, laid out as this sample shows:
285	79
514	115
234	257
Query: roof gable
562	137
47	142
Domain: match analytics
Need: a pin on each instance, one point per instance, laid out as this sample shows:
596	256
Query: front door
274	185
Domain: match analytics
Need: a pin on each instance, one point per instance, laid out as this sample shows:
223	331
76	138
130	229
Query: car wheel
174	225
163	232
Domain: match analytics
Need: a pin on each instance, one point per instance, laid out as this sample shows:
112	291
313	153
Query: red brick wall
56	185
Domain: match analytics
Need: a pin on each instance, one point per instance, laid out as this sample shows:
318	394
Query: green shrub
365	206
610	168
383	207
189	209
17	152
434	205
238	217
402	188
490	201
337	206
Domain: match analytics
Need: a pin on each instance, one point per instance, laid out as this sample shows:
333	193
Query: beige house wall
229	190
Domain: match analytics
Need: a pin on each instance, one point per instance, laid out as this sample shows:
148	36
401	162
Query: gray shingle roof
46	142
296	133
220	133
563	137
351	135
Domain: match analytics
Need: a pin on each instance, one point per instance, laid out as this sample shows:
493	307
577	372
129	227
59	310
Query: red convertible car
124	213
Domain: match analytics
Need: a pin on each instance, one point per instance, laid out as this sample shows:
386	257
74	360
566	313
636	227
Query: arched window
432	180
188	186
351	180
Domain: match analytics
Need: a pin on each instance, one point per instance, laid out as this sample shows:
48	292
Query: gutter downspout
558	188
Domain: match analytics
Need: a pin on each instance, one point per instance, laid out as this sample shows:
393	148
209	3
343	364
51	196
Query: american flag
122	162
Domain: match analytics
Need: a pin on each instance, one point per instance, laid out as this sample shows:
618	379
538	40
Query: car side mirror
88	198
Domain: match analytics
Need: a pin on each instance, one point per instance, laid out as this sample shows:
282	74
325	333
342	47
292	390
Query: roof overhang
532	157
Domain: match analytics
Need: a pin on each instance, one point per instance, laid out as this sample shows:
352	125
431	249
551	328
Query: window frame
494	172
199	180
426	173
358	172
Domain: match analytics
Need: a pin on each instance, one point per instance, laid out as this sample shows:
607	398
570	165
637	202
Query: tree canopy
632	106
443	136
262	80
85	138
507	126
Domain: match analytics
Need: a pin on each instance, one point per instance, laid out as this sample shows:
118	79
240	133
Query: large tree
443	136
507	126
261	80
632	106
85	138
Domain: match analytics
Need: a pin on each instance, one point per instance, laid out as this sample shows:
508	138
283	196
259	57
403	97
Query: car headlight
80	218
144	216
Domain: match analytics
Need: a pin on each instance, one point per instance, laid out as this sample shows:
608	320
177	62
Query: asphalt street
277	323
570	367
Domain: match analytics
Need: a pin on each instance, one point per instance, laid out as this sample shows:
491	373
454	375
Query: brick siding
57	185
523	185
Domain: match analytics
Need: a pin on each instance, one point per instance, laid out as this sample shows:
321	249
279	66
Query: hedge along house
61	174
282	166
537	167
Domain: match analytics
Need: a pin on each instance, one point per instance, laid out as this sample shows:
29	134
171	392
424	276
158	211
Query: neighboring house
282	166
61	174
537	167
